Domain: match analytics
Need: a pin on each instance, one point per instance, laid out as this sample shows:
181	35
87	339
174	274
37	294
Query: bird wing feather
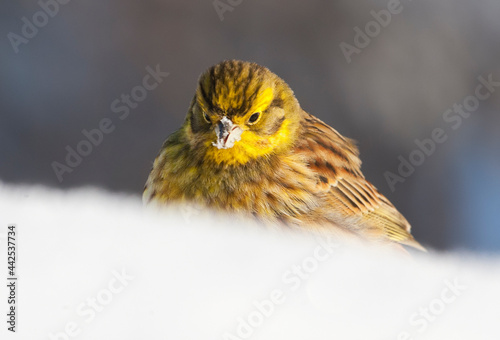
335	161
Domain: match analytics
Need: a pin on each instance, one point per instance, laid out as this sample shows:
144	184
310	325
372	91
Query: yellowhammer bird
247	146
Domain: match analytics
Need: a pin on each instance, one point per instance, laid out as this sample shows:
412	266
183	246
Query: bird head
241	111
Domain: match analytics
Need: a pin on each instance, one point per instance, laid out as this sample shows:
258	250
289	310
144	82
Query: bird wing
335	161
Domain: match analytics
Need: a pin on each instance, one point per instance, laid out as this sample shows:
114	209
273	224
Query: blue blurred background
61	77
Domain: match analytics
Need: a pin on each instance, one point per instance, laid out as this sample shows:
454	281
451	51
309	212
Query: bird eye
206	117
254	118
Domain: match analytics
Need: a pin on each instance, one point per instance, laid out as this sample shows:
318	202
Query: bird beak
227	134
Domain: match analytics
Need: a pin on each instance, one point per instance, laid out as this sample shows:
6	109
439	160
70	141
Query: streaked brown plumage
247	147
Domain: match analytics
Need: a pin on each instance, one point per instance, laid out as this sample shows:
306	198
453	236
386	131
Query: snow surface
100	266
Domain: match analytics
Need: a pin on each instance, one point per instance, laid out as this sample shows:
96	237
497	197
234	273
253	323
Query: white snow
99	266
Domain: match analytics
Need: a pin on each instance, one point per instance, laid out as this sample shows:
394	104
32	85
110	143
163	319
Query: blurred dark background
395	90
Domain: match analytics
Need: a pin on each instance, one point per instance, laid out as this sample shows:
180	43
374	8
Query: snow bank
91	265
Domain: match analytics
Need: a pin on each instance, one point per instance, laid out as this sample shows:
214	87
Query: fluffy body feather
286	167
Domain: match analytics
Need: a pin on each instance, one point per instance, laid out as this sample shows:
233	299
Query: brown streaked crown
232	86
